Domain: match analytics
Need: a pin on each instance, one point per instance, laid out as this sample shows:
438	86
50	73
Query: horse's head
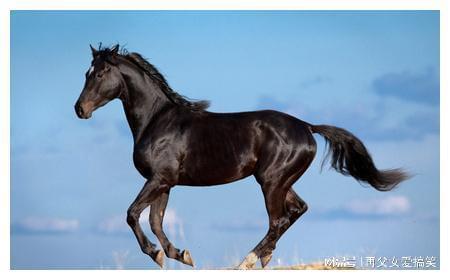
104	82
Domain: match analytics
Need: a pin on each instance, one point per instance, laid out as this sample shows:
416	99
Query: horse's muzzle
81	112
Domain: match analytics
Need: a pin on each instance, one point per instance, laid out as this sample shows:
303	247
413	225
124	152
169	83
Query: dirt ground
311	266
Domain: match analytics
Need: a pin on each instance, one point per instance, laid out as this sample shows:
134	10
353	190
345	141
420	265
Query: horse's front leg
156	217
149	193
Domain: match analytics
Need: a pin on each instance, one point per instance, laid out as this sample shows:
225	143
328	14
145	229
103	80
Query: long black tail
350	157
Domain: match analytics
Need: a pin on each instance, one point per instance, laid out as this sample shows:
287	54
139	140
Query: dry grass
311	266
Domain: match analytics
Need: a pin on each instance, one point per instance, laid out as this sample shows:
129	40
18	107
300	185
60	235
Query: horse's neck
142	103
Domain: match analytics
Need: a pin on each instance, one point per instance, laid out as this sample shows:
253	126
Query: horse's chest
155	158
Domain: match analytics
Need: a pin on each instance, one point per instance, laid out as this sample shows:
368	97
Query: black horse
178	142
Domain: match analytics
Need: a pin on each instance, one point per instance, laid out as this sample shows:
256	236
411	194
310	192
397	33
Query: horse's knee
132	217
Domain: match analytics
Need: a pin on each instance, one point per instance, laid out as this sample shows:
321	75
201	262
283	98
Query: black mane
158	78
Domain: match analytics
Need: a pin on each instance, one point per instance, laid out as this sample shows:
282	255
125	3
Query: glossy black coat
178	142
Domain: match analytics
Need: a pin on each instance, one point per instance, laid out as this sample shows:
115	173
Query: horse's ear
115	49
93	50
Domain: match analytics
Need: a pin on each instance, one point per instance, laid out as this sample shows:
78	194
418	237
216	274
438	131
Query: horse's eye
99	75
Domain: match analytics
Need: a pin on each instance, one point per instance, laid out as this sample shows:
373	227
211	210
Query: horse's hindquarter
221	148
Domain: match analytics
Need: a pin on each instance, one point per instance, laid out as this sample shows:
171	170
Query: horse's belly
206	171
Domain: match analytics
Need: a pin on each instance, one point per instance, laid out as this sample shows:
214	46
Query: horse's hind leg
295	208
276	177
156	217
274	196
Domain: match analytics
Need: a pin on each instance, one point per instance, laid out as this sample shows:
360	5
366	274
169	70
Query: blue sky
373	73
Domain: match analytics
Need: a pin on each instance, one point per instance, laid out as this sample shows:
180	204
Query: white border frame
8	5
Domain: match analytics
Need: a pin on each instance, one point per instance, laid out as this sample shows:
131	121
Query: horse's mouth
84	116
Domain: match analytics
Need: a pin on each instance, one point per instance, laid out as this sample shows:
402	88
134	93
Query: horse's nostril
79	110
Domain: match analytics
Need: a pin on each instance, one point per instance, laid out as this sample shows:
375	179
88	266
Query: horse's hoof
249	261
159	258
265	260
187	259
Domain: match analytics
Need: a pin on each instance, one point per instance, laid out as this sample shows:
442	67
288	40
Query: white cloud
390	205
47	225
375	116
237	225
113	225
172	224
